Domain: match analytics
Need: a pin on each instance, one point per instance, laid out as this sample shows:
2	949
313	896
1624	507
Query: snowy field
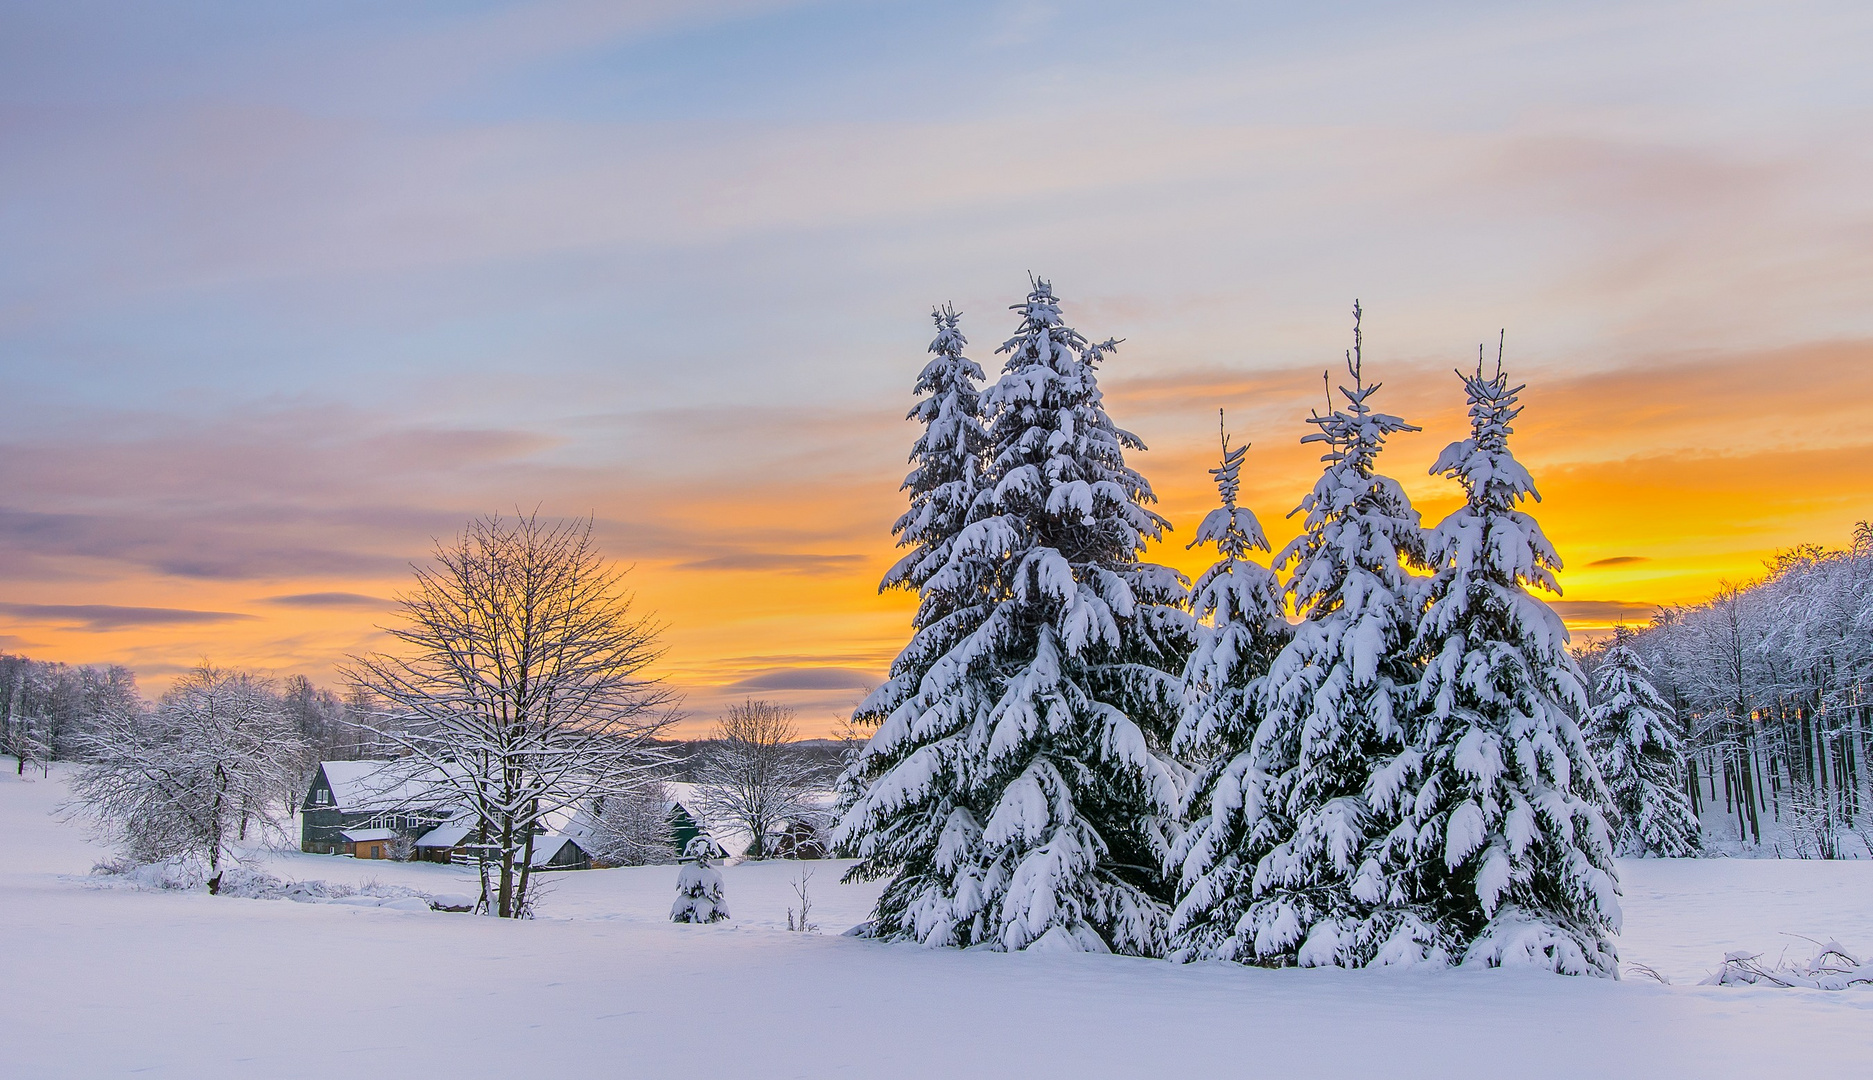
114	981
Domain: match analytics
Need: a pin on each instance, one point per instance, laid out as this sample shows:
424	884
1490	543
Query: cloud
1619	560
777	562
218	546
327	600
808	678
111	617
1602	610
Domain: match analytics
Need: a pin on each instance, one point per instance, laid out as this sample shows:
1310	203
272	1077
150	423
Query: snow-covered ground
99	982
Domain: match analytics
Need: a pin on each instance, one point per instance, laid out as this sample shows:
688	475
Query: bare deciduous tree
187	778
754	778
633	828
523	688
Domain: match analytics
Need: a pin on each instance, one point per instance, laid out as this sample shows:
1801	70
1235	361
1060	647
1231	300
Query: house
369	843
367	809
802	836
453	841
351	796
555	851
450	842
798	839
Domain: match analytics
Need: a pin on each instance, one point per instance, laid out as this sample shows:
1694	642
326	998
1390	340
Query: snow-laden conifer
1080	653
1066	687
1635	741
902	791
699	885
1502	839
1338	700
1242	630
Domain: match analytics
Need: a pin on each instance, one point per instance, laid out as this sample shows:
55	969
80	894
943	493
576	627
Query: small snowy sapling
699	885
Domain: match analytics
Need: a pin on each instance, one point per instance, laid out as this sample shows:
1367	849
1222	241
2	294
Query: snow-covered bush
699	885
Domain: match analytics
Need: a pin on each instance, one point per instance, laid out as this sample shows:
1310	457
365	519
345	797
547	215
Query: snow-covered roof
446	835
734	840
384	785
548	846
359	836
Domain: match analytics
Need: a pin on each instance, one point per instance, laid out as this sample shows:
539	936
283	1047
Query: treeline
1769	681
49	707
53	711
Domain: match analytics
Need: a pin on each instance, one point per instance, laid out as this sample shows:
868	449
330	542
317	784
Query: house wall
320	823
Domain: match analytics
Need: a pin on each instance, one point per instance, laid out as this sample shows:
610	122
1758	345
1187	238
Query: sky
289	292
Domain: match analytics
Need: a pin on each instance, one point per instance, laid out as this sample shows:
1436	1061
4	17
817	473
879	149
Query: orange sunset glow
282	310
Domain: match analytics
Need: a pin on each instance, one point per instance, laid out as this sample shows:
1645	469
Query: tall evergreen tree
1338	701
903	789
1501	838
1634	737
1067	686
1243	630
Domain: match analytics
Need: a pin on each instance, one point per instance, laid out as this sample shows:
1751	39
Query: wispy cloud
807	678
776	562
1602	610
328	600
113	617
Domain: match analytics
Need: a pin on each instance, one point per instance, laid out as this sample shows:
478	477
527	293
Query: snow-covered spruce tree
1634	738
1240	600
699	885
1339	697
1501	839
948	457
902	791
1070	682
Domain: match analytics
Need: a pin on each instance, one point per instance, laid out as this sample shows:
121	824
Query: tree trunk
526	876
1749	788
481	861
507	866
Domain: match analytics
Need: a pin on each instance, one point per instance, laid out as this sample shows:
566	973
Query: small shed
368	843
555	851
447	842
798	839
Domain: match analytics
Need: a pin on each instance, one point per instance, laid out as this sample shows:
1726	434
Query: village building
391	809
357	797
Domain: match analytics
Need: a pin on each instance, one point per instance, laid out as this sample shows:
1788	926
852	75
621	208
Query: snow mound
182	875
